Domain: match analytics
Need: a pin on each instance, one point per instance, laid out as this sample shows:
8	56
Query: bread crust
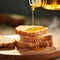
21	44
9	45
33	39
7	42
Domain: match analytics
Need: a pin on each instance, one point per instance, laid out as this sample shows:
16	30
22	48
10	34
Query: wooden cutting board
24	54
15	54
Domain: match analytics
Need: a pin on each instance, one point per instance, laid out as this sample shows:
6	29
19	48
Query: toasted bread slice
21	44
33	39
8	41
32	42
31	31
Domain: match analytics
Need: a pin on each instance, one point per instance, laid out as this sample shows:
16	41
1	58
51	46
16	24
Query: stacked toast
28	37
33	37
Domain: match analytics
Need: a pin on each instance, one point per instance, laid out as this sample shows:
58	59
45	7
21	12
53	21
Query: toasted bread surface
31	31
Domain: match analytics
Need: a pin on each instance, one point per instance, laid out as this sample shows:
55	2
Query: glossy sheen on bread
33	39
31	31
21	44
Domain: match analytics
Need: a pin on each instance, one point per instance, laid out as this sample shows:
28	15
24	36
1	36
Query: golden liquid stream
33	21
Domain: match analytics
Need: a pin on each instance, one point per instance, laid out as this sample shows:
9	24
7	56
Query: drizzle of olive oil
33	21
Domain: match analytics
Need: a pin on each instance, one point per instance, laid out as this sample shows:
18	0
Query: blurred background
22	7
18	12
